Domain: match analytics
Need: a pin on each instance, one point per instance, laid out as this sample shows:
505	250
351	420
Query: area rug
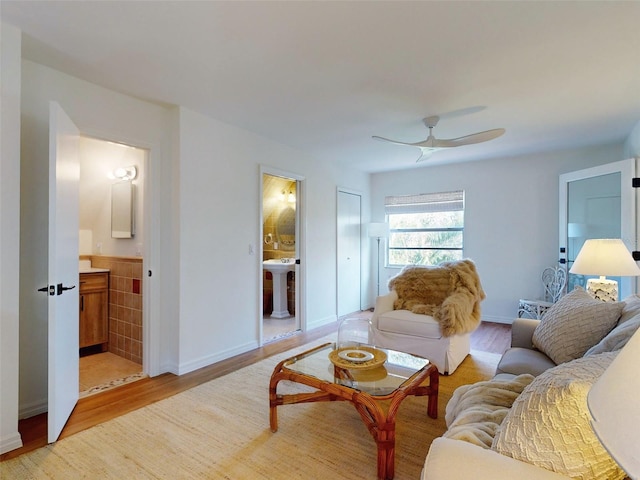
220	430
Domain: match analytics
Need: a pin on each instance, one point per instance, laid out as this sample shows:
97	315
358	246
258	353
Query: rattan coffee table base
380	421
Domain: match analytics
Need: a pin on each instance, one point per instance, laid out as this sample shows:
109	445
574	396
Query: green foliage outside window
426	238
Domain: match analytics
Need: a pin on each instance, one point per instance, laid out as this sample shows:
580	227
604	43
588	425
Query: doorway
598	202
111	353
280	255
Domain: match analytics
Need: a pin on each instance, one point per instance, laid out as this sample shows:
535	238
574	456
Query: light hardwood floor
95	409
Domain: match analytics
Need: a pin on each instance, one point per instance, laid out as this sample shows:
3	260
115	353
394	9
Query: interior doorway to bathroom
111	240
280	254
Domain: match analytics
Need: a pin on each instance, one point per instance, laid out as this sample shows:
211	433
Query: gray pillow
631	308
616	338
574	324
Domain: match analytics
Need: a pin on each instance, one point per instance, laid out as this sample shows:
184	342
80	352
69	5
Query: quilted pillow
574	324
549	423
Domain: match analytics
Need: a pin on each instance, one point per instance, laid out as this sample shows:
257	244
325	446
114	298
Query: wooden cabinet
94	305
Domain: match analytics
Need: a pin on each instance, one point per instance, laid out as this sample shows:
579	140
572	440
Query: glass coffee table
375	392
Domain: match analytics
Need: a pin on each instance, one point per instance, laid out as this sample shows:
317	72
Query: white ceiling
324	77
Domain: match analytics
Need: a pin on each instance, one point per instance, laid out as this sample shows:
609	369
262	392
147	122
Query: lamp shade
613	404
605	257
378	230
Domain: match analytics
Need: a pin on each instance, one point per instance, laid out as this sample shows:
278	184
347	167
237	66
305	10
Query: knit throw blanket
475	411
450	292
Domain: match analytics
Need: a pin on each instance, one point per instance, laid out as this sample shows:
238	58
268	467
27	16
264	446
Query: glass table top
378	381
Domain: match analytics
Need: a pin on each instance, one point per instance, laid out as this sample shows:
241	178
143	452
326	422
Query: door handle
51	289
61	289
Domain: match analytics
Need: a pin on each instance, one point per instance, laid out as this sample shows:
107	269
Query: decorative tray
357	358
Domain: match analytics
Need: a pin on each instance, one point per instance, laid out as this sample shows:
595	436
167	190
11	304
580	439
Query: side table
533	308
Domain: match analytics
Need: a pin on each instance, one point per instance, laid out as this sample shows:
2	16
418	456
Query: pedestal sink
279	269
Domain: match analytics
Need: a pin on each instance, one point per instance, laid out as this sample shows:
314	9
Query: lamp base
603	289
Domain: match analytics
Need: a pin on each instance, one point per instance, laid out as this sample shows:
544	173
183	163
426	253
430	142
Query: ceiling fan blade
470	139
426	147
425	154
397	142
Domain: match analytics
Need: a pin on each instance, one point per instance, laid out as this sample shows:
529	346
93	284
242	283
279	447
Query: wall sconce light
124	173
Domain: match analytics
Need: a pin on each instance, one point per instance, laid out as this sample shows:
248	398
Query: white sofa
453	458
417	334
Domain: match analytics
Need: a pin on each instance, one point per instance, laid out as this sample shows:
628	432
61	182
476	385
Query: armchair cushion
409	323
574	324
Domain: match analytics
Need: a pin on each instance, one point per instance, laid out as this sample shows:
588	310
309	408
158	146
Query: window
425	229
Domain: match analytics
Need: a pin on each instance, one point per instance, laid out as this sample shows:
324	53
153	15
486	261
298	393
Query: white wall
220	302
101	113
10	43
511	216
203	206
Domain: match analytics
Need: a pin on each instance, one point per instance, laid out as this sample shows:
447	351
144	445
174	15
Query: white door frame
151	307
300	246
628	231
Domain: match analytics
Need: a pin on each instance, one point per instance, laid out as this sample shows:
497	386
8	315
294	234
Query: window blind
424	202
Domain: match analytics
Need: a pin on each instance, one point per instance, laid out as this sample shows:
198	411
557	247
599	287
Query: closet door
349	252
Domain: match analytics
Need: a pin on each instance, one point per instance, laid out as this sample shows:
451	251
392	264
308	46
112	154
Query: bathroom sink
279	269
278	266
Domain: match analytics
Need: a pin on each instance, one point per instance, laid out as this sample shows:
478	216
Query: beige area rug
220	430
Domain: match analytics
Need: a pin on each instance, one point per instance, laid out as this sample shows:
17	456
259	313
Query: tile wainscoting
125	304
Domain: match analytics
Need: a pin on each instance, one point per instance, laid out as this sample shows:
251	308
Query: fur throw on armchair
450	292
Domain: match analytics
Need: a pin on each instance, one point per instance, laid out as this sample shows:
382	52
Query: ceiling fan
432	144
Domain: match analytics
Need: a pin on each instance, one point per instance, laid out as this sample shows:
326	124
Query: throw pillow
631	308
574	324
616	338
549	423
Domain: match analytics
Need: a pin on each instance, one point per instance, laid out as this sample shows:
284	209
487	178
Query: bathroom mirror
122	208
286	229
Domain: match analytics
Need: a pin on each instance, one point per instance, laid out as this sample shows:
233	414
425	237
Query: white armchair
418	334
431	311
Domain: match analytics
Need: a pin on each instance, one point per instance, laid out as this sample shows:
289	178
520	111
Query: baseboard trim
10	442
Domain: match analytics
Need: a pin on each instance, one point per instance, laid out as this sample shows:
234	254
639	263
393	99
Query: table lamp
613	404
604	256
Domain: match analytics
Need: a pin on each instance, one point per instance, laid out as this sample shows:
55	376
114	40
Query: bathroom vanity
94	308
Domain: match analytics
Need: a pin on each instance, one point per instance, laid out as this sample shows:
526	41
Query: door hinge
636	255
635	182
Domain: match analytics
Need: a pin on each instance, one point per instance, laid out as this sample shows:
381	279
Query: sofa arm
450	459
522	332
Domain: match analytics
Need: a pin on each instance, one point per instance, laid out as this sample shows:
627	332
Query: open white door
64	177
